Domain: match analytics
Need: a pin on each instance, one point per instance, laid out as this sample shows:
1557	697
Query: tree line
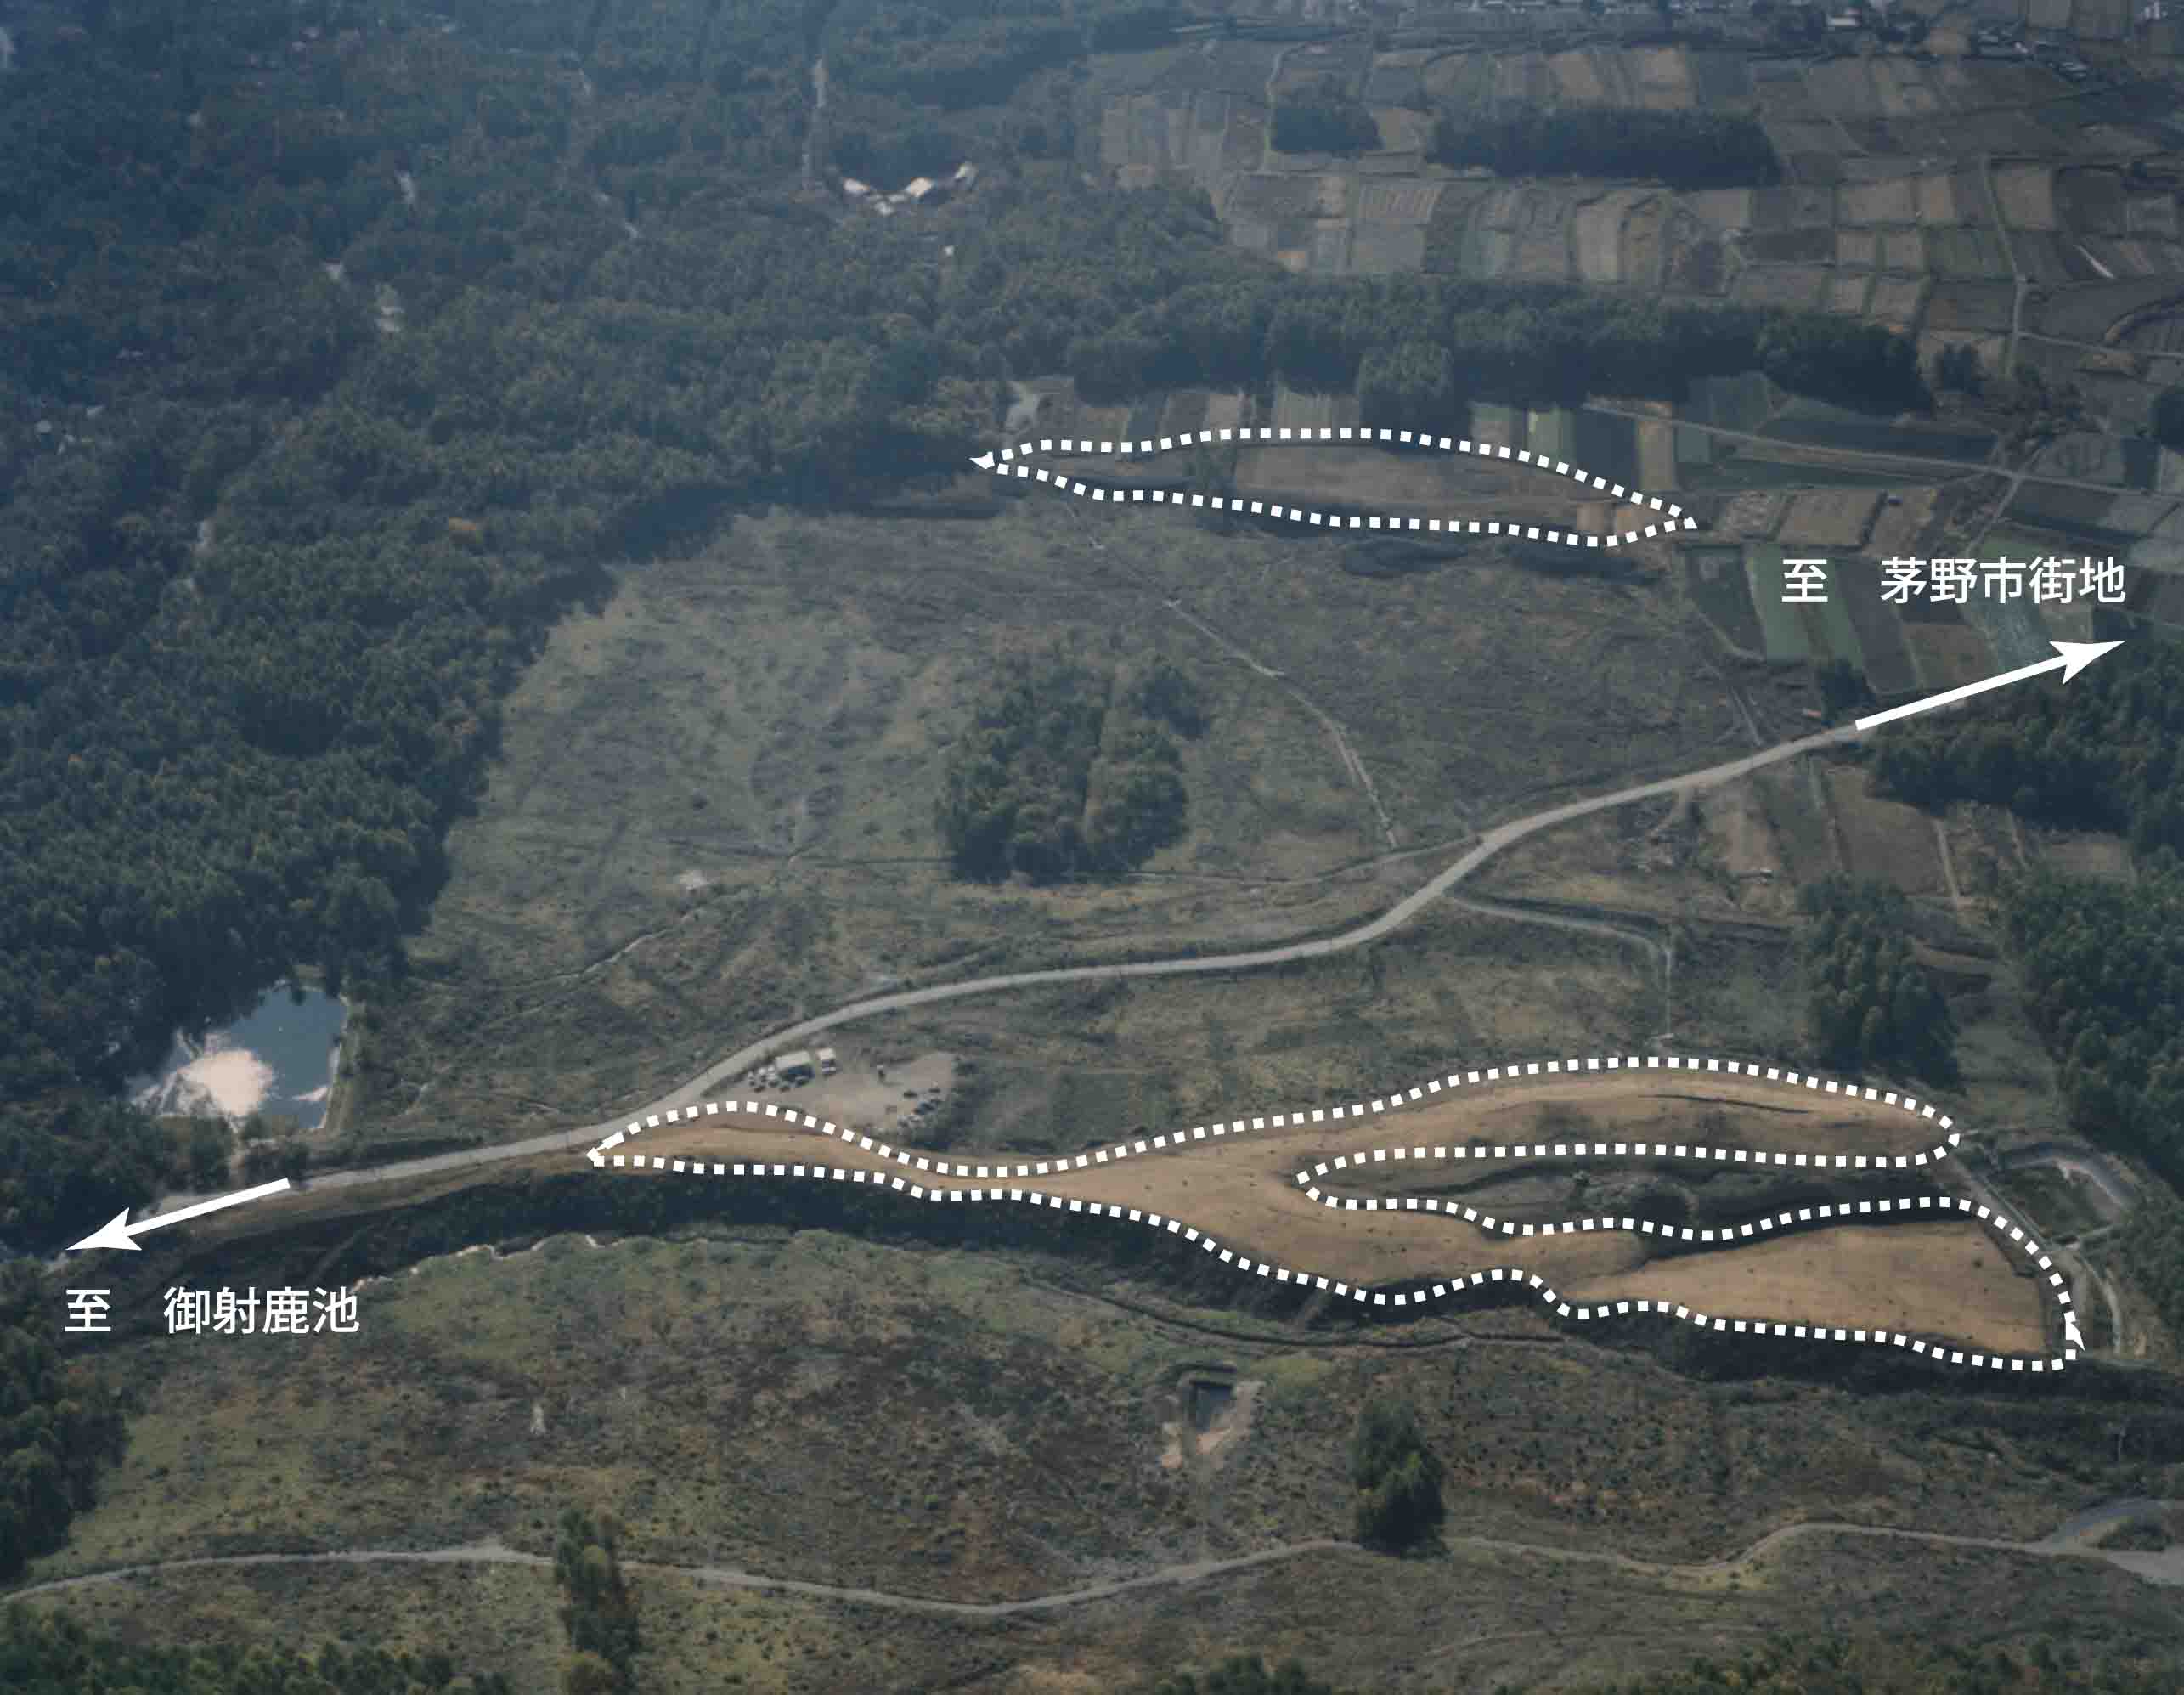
2105	754
1324	117
44	1651
1685	150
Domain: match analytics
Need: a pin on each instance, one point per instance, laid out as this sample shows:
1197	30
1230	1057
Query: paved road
1962	468
2114	1186
2067	1541
1492	842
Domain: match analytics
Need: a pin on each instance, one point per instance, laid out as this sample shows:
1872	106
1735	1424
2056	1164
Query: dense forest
2103	969
59	1428
1068	770
48	1653
2107	752
2152	1243
333	366
1323	117
1870	1004
2102	962
1684	149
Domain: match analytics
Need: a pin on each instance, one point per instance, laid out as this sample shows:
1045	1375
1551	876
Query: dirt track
2163	1569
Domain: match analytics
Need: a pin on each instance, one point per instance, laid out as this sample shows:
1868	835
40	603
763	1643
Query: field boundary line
1003	465
603	1158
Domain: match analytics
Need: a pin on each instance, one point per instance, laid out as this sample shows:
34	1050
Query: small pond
279	1059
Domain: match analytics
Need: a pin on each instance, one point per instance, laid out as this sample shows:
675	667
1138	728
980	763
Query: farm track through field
2164	1569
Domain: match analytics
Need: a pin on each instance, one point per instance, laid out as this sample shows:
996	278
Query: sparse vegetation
1894	1666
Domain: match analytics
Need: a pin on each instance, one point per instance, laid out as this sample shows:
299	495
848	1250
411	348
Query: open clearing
1939	1279
715	806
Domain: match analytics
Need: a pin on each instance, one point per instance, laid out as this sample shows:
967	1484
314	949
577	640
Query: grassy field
1473	1619
979	1427
714	813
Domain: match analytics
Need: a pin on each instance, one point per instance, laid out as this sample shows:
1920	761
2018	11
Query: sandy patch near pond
231	1082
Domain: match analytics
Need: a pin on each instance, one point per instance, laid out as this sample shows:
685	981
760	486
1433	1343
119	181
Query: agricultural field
2059	252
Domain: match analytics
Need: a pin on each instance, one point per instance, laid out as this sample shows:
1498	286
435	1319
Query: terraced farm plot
1786	638
1883	654
1828	627
1885	839
2028	195
1889	201
1836	518
1399	200
1715	577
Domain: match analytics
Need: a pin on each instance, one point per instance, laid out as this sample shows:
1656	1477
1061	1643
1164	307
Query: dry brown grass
1943	1279
1885	839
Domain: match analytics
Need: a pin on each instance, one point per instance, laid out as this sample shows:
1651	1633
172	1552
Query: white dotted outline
2002	1226
1326	434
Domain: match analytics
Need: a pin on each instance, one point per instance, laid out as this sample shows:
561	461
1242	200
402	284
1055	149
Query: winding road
1492	842
2071	1540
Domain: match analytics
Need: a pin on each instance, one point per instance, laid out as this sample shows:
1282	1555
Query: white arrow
120	1233
2071	658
